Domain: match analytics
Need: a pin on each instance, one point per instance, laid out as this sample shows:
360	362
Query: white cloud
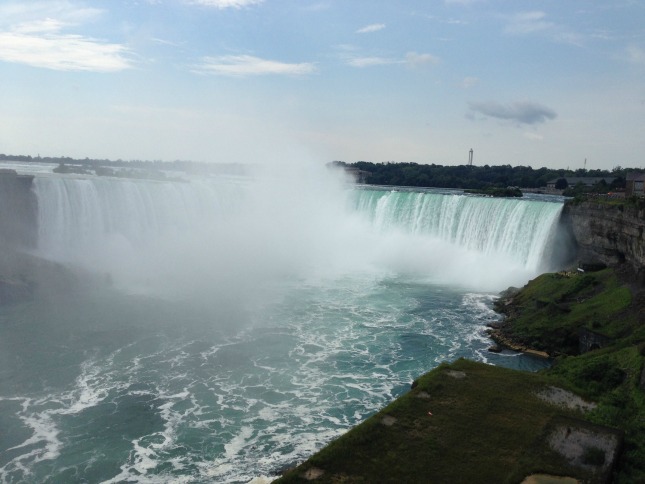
469	82
533	136
14	13
527	23
571	38
222	4
413	59
40	42
317	7
39	26
369	61
370	28
635	54
62	52
535	22
32	33
246	65
521	112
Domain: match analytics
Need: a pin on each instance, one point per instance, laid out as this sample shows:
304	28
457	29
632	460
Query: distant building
587	181
634	184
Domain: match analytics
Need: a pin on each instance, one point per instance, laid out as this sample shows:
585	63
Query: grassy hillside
470	422
550	311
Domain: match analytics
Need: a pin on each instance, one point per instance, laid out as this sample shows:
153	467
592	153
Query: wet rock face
611	234
18	211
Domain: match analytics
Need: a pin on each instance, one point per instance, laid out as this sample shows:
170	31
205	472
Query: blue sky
540	83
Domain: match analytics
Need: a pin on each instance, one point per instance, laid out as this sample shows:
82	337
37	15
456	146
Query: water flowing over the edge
105	224
521	230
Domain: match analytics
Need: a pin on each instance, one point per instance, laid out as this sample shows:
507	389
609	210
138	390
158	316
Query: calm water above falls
244	324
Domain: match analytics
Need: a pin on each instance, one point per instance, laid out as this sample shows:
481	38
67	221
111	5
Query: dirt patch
456	374
585	447
313	473
388	420
564	398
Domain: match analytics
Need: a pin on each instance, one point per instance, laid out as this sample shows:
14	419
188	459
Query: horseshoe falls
226	327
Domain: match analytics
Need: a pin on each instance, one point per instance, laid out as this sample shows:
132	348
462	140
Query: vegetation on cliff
559	313
552	310
469	422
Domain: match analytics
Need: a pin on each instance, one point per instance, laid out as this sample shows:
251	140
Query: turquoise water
114	388
253	339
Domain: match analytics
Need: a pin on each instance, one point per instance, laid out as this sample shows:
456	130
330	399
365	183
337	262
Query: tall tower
470	157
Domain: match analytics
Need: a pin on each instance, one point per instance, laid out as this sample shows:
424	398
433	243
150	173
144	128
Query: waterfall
519	229
232	231
79	216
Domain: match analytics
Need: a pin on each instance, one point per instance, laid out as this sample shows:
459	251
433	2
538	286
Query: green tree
561	184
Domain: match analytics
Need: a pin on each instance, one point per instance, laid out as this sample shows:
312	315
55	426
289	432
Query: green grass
486	427
549	312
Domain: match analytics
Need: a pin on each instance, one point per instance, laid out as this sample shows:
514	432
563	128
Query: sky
533	82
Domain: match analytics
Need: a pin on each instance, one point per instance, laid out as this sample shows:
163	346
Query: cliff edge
611	232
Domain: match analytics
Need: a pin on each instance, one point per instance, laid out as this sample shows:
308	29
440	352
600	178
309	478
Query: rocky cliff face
611	234
18	211
18	233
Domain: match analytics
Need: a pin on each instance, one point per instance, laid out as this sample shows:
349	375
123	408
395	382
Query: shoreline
506	342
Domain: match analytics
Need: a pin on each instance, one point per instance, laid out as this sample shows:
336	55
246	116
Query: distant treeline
390	173
179	165
469	177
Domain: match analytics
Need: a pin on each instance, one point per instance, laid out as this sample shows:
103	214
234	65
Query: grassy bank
470	422
551	311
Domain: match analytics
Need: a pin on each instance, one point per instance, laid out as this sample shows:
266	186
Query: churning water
234	326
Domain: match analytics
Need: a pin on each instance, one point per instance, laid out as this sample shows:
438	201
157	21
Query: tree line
67	164
390	173
470	177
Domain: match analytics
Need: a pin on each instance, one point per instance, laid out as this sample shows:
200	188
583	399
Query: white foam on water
262	480
39	416
44	440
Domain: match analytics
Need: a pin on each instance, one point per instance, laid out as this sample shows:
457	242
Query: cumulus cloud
247	65
521	112
370	28
41	43
222	4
